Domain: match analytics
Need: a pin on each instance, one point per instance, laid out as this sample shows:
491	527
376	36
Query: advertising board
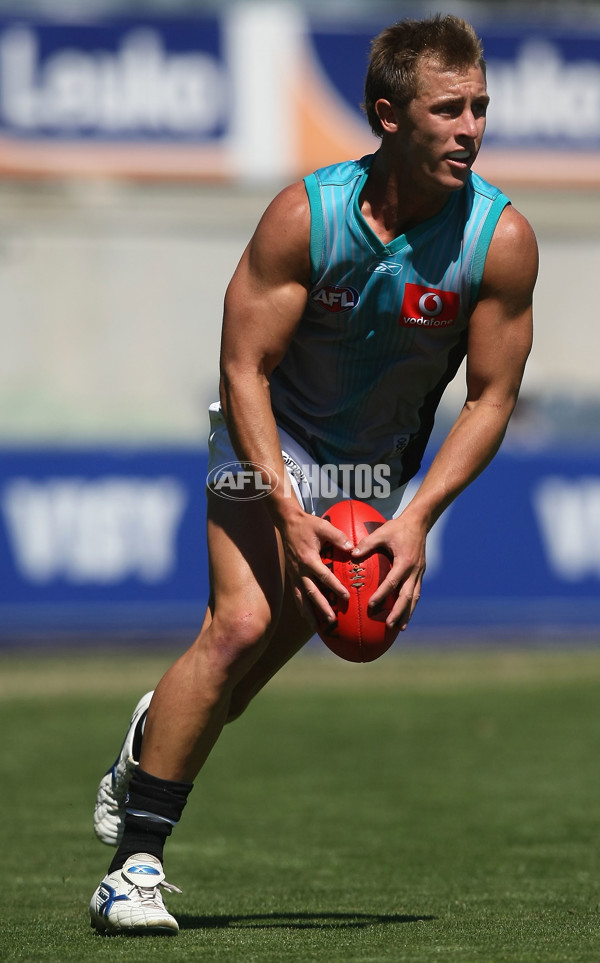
113	542
266	91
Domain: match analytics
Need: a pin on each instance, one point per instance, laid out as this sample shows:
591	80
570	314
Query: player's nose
468	124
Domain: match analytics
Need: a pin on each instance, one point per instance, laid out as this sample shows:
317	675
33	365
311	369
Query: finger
367	545
330	534
402	611
388	587
306	609
316	603
330	582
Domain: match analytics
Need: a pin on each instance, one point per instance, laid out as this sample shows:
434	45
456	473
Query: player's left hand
404	544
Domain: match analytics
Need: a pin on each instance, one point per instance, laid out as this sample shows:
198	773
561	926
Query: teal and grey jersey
385	326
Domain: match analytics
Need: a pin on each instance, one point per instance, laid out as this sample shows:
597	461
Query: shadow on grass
297	921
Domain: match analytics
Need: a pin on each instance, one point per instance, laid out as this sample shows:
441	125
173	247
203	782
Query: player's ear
388	115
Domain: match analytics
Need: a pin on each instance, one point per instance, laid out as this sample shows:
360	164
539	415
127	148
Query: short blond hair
397	51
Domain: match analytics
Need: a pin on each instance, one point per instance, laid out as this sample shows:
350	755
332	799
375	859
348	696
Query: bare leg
291	634
192	701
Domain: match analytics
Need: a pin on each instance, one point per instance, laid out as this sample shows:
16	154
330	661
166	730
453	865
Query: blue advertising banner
109	541
520	548
544	80
265	90
101	540
545	85
128	97
113	80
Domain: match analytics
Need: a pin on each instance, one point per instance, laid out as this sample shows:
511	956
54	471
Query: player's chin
457	179
453	175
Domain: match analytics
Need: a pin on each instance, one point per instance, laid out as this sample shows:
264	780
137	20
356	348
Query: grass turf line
430	806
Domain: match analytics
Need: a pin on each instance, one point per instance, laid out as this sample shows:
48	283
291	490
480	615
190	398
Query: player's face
443	126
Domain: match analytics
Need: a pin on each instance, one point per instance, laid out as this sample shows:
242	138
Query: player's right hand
303	537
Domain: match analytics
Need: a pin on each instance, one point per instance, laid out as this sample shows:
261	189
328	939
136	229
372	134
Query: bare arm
500	337
263	306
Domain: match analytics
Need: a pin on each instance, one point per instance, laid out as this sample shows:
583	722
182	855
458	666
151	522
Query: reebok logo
428	307
391	268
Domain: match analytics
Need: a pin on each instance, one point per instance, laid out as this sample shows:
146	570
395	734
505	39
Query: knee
234	641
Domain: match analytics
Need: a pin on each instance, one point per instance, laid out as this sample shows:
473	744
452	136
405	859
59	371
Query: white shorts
314	487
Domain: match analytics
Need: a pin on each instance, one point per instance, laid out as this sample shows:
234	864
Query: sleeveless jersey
385	326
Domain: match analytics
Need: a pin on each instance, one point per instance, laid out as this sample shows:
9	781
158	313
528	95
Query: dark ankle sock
154	807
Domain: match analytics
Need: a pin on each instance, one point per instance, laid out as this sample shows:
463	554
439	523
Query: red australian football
356	635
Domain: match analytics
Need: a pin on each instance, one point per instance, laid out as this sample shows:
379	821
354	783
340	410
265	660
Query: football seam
357	590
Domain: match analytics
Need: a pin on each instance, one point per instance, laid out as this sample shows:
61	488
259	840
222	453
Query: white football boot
129	900
109	811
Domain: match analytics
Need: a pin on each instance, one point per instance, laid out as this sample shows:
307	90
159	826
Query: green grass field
430	806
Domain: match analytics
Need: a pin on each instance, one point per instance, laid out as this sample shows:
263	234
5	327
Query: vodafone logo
431	304
428	307
335	299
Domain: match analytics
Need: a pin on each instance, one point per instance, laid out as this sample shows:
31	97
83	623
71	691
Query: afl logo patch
428	307
334	298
